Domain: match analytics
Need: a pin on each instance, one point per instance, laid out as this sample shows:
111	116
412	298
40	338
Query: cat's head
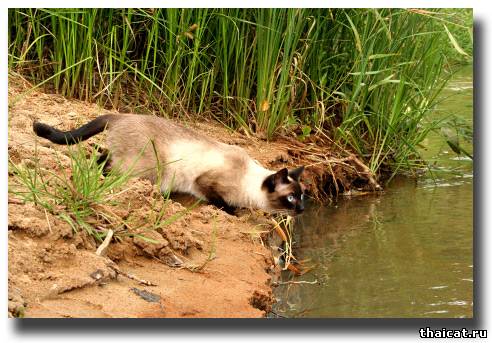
284	192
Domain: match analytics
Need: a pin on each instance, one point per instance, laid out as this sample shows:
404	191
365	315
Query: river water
405	253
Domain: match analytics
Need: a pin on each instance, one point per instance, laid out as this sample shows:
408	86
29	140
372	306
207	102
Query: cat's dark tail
75	136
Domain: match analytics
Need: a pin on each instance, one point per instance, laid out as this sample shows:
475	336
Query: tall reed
366	77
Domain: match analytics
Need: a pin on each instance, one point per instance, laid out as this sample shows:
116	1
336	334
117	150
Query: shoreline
205	264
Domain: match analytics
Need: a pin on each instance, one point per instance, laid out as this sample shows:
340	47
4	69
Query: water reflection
407	253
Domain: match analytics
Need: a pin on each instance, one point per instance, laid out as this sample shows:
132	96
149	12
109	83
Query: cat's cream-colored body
184	156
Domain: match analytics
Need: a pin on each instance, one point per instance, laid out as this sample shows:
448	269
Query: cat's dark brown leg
209	188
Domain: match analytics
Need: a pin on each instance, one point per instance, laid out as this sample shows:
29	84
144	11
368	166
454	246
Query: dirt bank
205	264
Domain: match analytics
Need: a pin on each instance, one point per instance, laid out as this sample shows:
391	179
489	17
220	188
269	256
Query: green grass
74	194
80	194
366	77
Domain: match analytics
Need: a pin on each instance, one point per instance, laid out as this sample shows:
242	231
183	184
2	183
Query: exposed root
363	170
329	173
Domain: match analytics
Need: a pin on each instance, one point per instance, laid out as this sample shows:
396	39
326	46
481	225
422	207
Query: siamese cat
190	161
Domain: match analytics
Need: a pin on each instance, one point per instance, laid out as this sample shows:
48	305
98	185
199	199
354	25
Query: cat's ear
296	173
281	176
273	180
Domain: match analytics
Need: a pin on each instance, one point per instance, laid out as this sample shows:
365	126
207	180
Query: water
405	253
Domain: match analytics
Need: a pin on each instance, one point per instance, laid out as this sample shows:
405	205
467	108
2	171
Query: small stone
97	275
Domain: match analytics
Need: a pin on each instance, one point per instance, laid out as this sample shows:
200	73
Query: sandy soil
206	264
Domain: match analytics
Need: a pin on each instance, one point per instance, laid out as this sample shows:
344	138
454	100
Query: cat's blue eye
290	198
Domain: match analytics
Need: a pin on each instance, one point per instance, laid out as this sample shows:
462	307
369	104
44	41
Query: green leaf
455	43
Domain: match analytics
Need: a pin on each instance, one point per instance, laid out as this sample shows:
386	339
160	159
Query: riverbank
204	263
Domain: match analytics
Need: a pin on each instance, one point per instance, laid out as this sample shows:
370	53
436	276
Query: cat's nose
300	208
